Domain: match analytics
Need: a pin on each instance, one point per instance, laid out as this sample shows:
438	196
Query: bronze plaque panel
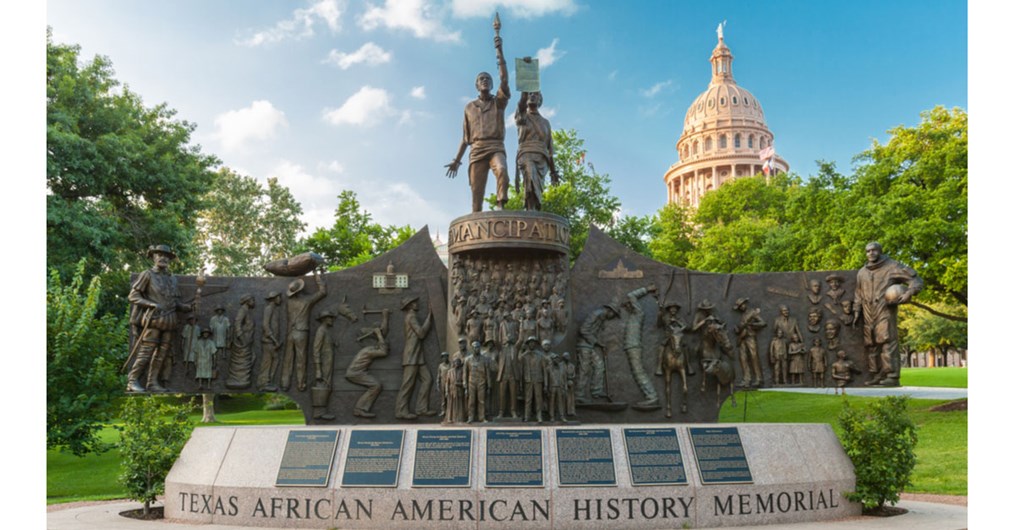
307	459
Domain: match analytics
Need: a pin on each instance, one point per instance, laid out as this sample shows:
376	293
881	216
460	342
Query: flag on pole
767	168
766	153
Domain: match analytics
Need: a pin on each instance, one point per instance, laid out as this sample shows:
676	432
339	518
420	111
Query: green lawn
94	477
938	377
941	449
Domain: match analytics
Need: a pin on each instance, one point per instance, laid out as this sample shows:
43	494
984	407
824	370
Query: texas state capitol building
724	134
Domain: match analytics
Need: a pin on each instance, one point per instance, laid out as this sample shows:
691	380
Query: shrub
152	436
82	354
880	442
278	401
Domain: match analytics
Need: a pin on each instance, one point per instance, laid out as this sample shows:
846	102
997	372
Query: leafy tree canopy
82	352
354	238
245	225
121	176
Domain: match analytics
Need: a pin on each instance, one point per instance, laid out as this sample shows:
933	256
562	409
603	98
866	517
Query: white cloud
549	55
334	166
315	194
518	8
548	112
389	203
418	92
656	88
259	121
369	53
420	17
366	107
300	25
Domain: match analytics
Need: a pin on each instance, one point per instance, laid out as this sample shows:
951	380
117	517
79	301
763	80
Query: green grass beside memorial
95	477
941	448
935	377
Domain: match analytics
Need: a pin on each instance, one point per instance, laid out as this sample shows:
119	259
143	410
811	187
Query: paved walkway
916	392
922	515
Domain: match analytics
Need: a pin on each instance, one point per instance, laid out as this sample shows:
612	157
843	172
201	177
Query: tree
921	330
354	238
121	176
244	226
83	350
911	195
152	436
671	235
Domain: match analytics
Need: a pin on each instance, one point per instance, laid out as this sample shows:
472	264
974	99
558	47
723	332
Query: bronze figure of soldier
483	132
877	301
534	375
535	148
477	377
154	299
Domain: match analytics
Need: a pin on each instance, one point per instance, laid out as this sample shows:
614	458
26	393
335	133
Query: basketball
894	293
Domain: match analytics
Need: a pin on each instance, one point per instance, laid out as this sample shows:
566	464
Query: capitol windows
711	102
734	100
736	141
695	147
750	141
722	141
722	101
708	144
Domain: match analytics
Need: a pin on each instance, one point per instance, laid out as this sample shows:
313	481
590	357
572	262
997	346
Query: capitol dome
724	137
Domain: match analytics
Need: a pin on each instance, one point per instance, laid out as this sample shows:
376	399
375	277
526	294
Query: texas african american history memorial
512	387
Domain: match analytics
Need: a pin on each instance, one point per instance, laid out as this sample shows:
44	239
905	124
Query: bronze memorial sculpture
154	299
483	133
535	148
504	311
879	292
510	286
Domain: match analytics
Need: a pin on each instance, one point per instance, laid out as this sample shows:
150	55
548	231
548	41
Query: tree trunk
208	407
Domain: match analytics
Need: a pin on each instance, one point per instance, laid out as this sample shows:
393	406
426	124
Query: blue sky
341	94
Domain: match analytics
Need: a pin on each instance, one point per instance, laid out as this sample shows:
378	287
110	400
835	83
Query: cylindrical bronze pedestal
507	265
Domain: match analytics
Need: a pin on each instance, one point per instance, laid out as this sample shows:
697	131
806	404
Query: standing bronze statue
477	377
299	331
483	131
534	375
155	299
241	350
879	291
747	341
323	355
271	341
591	368
633	347
535	148
414	369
